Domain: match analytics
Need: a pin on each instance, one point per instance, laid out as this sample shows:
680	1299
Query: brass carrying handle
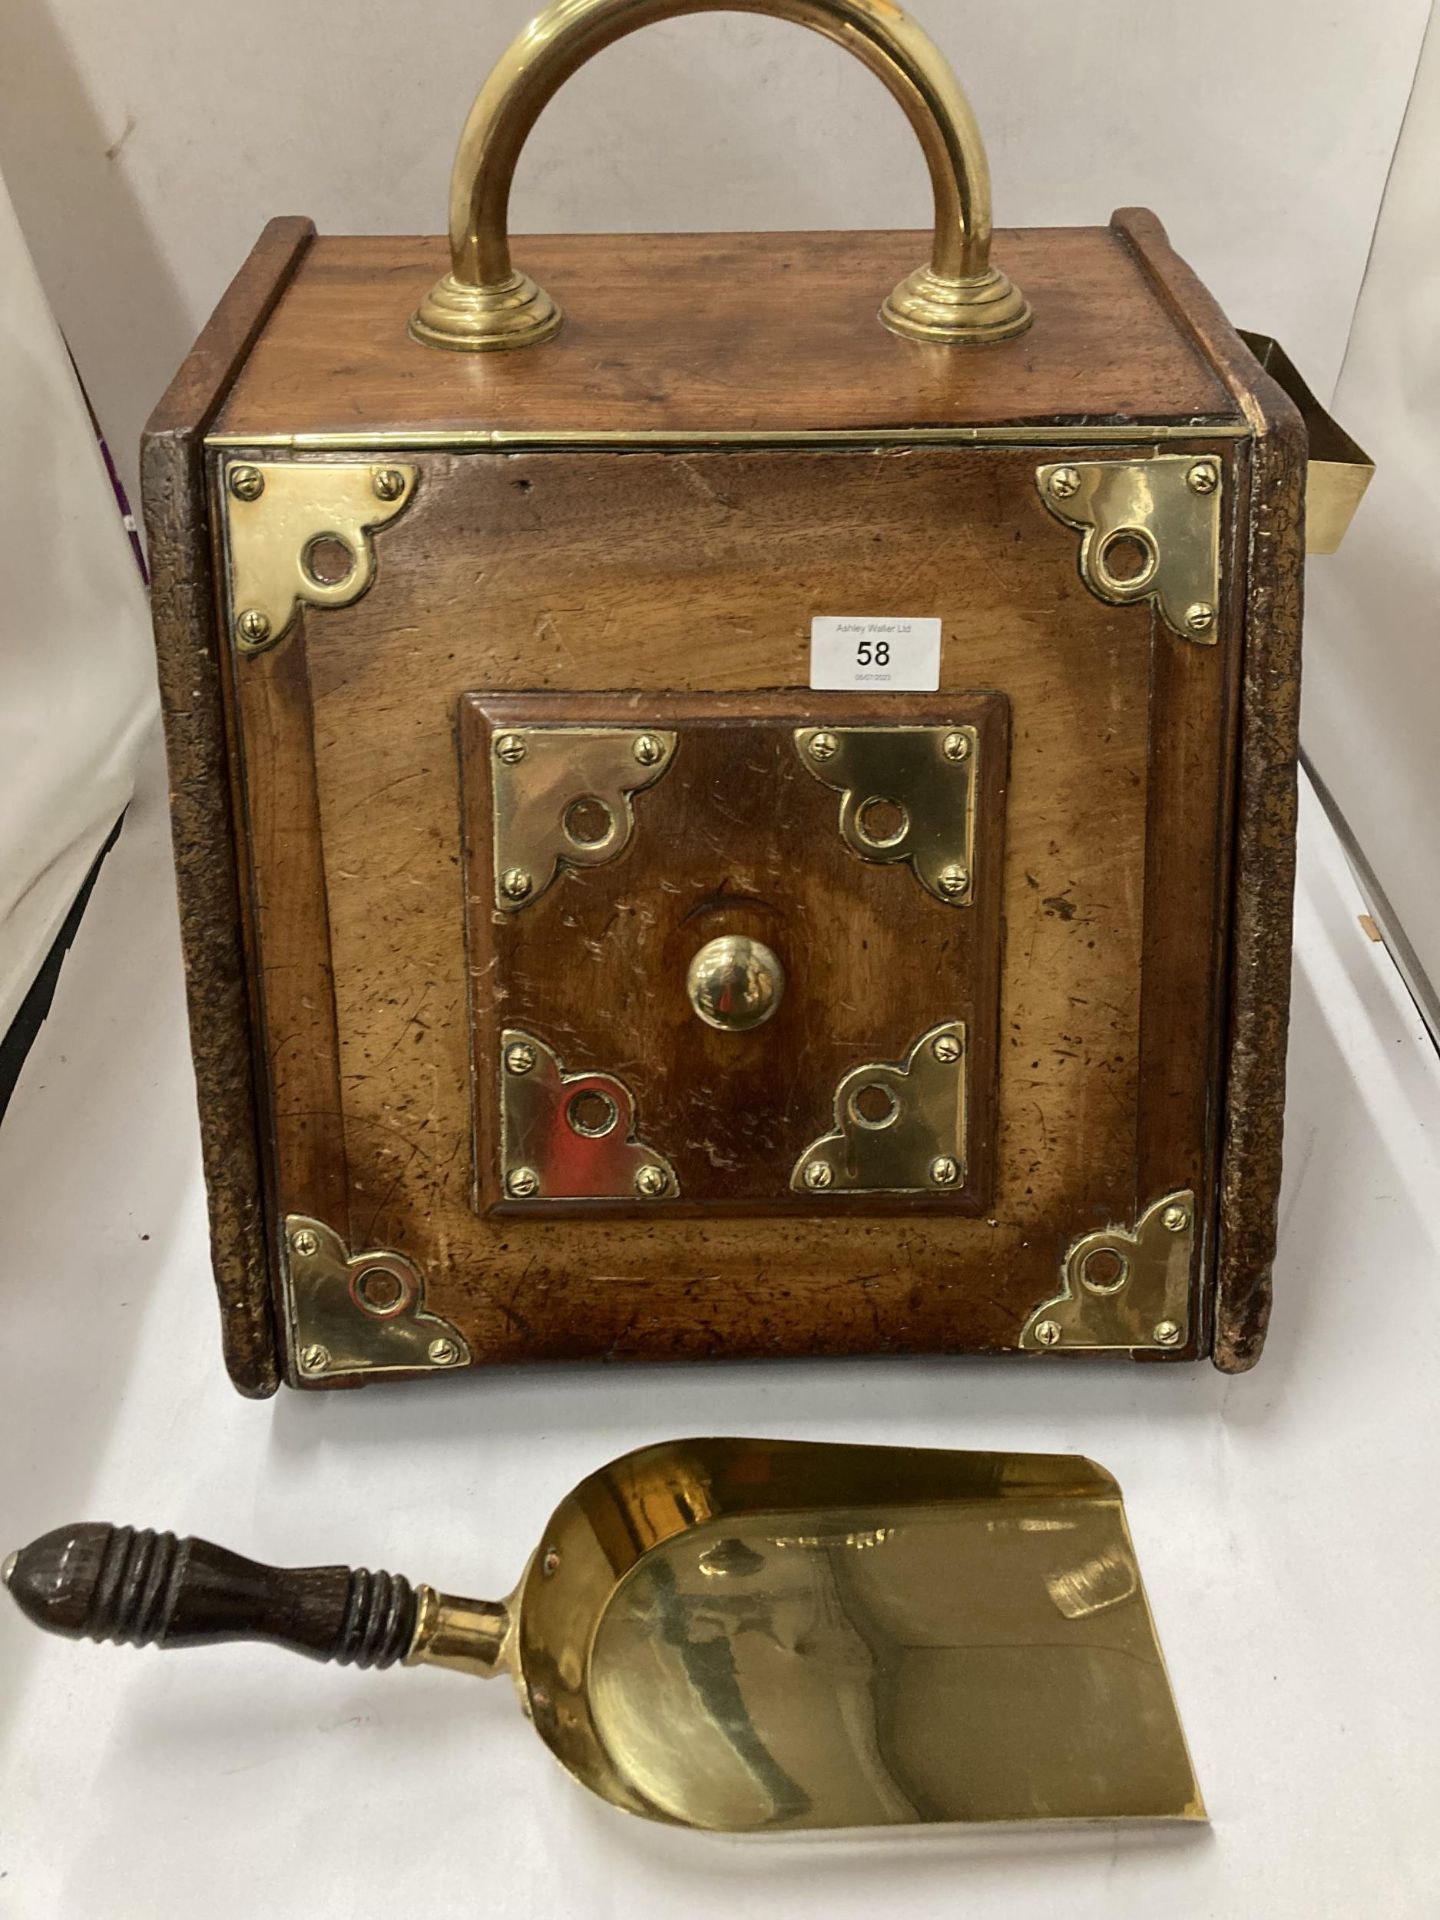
484	302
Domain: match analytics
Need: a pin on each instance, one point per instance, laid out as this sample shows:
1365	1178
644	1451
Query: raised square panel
736	953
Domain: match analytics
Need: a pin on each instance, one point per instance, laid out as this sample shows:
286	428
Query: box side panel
1266	821
189	664
1264	854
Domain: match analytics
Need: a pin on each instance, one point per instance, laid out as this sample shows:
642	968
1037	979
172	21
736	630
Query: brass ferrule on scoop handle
141	1588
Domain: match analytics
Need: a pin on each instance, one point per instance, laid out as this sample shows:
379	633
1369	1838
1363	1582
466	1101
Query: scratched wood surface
736	332
701	572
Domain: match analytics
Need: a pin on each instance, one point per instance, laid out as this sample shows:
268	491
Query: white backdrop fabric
1371	719
77	673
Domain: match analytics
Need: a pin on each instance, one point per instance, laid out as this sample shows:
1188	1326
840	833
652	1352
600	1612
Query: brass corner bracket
299	531
906	793
1163	513
1123	1288
899	1126
562	798
360	1313
571	1136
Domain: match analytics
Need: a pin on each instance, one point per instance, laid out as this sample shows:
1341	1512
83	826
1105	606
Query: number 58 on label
873	654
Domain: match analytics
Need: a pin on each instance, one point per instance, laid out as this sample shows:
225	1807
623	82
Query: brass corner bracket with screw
563	798
900	1126
299	532
1165	514
571	1136
906	794
1123	1288
362	1313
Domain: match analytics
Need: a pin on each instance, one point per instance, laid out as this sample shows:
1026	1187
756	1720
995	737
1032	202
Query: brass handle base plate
490	319
939	311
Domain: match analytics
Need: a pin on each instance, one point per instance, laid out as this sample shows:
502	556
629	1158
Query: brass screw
1199	617
520	1058
247	483
956	746
946	1047
314	1359
550	1565
647	749
651	1181
515	883
1047	1332
389	483
1203	477
819	1175
943	1171
305	1242
1063	482
1175	1219
954	880
822	746
1167	1334
522	1182
509	747
443	1353
253	627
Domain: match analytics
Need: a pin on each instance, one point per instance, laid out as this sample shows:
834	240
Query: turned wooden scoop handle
150	1589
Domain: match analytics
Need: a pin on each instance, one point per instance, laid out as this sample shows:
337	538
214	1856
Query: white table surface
1286	1524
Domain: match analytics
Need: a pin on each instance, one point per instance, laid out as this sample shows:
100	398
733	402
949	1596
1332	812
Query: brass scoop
749	1634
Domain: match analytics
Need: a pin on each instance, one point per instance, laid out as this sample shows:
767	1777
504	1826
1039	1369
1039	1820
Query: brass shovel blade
745	1635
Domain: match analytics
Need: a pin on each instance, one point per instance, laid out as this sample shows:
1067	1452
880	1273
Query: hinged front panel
734	954
617	994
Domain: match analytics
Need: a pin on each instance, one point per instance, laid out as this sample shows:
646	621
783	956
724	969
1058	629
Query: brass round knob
734	983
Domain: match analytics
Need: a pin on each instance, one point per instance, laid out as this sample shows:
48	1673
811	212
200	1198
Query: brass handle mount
486	303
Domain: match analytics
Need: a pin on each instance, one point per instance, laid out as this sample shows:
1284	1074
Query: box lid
681	337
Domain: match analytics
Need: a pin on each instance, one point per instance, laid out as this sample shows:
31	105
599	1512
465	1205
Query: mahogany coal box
753	821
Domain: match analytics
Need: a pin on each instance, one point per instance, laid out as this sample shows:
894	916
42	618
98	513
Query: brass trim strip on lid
535	440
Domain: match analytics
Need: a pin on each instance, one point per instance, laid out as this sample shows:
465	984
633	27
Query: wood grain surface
685	333
648	574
